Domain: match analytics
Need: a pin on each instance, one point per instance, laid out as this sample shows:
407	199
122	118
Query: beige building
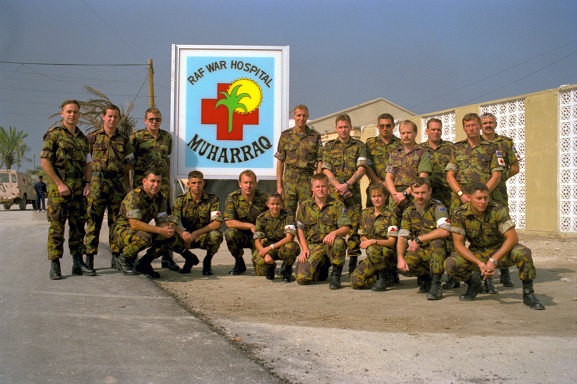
543	125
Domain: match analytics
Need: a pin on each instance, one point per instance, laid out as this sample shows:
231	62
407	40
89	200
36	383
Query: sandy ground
310	334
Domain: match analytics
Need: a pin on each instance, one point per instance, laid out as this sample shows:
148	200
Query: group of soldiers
424	202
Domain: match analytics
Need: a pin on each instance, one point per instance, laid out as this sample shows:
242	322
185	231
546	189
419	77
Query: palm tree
12	147
91	112
232	102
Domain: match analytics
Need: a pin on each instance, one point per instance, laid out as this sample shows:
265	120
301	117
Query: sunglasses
155	119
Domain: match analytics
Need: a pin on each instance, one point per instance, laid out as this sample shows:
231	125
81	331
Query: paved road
104	329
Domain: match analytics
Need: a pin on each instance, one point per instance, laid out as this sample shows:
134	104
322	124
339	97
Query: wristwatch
418	241
493	261
459	193
404	193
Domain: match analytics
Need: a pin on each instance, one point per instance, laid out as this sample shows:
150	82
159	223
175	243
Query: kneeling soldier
425	221
274	240
493	244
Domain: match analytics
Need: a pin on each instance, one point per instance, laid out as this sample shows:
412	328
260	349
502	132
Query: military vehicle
16	188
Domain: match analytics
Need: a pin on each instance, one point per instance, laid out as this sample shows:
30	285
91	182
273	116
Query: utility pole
150	83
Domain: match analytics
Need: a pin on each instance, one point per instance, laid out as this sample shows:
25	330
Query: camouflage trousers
287	253
237	240
500	194
429	258
443	194
130	242
378	258
461	269
60	209
354	207
208	241
296	187
105	194
308	271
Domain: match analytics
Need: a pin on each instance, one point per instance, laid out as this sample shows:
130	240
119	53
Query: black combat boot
385	280
451	283
474	287
90	265
55	273
270	271
529	297
425	285
506	278
324	267
239	266
168	262
190	260
287	274
144	265
436	292
336	277
395	276
206	265
352	264
77	265
489	286
126	265
113	261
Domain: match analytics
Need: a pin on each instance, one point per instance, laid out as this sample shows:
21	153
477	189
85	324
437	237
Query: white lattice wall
568	161
511	123
448	120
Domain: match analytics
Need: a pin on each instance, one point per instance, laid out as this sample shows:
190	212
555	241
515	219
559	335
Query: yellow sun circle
252	89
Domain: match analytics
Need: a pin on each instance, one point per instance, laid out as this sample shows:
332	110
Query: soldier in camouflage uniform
322	224
426	222
133	233
474	160
378	231
199	213
510	164
64	159
241	210
109	151
440	152
493	244
407	162
152	147
274	240
379	151
298	156
345	162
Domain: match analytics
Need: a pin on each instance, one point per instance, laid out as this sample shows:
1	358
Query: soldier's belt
70	174
108	174
401	188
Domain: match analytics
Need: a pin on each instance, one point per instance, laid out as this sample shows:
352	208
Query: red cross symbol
219	116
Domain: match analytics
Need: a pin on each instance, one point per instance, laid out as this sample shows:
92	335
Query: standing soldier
426	222
407	162
152	147
109	150
440	152
322	224
344	162
40	189
379	151
274	240
494	243
378	231
199	213
63	158
298	156
510	165
242	208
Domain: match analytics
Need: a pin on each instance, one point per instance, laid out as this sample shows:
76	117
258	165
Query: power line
75	64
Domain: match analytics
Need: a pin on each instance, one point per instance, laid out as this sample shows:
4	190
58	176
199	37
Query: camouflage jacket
474	165
343	159
378	154
416	222
379	227
406	167
274	229
150	152
137	205
109	153
68	155
506	151
316	223
486	232
237	208
193	215
440	157
300	153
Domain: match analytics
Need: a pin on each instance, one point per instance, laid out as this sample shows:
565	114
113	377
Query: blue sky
422	55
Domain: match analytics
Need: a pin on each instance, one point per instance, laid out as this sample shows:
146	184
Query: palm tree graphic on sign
243	96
